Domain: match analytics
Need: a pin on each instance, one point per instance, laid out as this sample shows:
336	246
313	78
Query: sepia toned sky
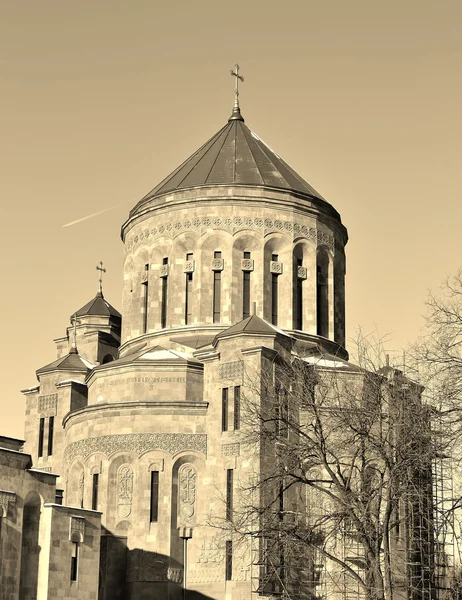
101	100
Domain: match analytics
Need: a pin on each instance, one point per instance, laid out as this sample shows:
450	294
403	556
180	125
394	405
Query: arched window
108	358
322	293
299	276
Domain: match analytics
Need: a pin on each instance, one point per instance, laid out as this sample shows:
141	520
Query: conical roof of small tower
98	306
235	155
71	362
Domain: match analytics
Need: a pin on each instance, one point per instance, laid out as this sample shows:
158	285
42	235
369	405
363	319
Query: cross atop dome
100	279
236	114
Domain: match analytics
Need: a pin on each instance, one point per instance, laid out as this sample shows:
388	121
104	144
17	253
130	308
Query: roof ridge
218	154
253	157
162	183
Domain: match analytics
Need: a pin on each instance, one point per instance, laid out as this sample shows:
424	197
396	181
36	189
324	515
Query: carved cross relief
187	494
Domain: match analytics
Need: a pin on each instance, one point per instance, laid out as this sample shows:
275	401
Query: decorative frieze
148	566
48	404
262	226
137	443
6	498
77	529
247	264
210	552
276	267
209	567
231	370
230	449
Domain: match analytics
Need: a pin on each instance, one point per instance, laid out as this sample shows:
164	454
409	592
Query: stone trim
139	443
295	230
48	404
231	370
231	449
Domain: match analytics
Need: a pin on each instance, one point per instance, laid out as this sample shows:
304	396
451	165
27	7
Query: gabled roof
252	325
71	362
98	306
234	155
156	353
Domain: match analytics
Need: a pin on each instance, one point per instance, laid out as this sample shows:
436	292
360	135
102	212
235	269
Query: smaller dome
98	306
71	362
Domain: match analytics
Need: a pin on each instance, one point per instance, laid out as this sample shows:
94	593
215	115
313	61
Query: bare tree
340	490
438	357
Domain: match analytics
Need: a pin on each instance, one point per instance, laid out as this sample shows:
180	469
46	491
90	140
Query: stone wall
248	220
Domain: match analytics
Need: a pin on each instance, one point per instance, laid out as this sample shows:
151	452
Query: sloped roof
252	325
234	155
98	306
156	353
71	362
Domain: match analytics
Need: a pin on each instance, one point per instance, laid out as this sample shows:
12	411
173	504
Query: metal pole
185	566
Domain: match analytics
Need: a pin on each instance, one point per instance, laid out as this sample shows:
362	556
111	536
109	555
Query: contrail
100	212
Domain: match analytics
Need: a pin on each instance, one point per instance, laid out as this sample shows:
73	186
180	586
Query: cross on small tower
236	84
74	338
101	271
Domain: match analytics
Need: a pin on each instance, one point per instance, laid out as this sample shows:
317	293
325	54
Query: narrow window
51	426
229	494
163	316
322	293
59	496
41	435
154	509
274	293
224	409
74	561
246	291
216	291
237	407
94	492
229	560
188	303
145	289
298	298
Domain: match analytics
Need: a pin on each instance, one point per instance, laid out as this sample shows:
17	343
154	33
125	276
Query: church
135	436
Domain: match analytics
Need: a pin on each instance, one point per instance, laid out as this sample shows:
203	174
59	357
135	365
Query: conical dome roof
235	155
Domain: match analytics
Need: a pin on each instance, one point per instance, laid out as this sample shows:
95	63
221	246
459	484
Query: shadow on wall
135	574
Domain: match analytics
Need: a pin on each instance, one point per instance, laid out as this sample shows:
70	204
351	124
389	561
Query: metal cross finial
74	339
236	85
101	271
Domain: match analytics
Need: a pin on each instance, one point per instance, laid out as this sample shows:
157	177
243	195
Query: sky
102	100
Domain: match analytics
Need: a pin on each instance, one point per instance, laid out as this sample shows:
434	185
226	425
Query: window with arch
217	268
145	290
322	293
188	291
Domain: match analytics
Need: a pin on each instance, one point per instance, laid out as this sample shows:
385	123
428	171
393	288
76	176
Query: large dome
235	155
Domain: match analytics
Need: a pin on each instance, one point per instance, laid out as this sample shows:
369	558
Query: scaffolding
443	517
